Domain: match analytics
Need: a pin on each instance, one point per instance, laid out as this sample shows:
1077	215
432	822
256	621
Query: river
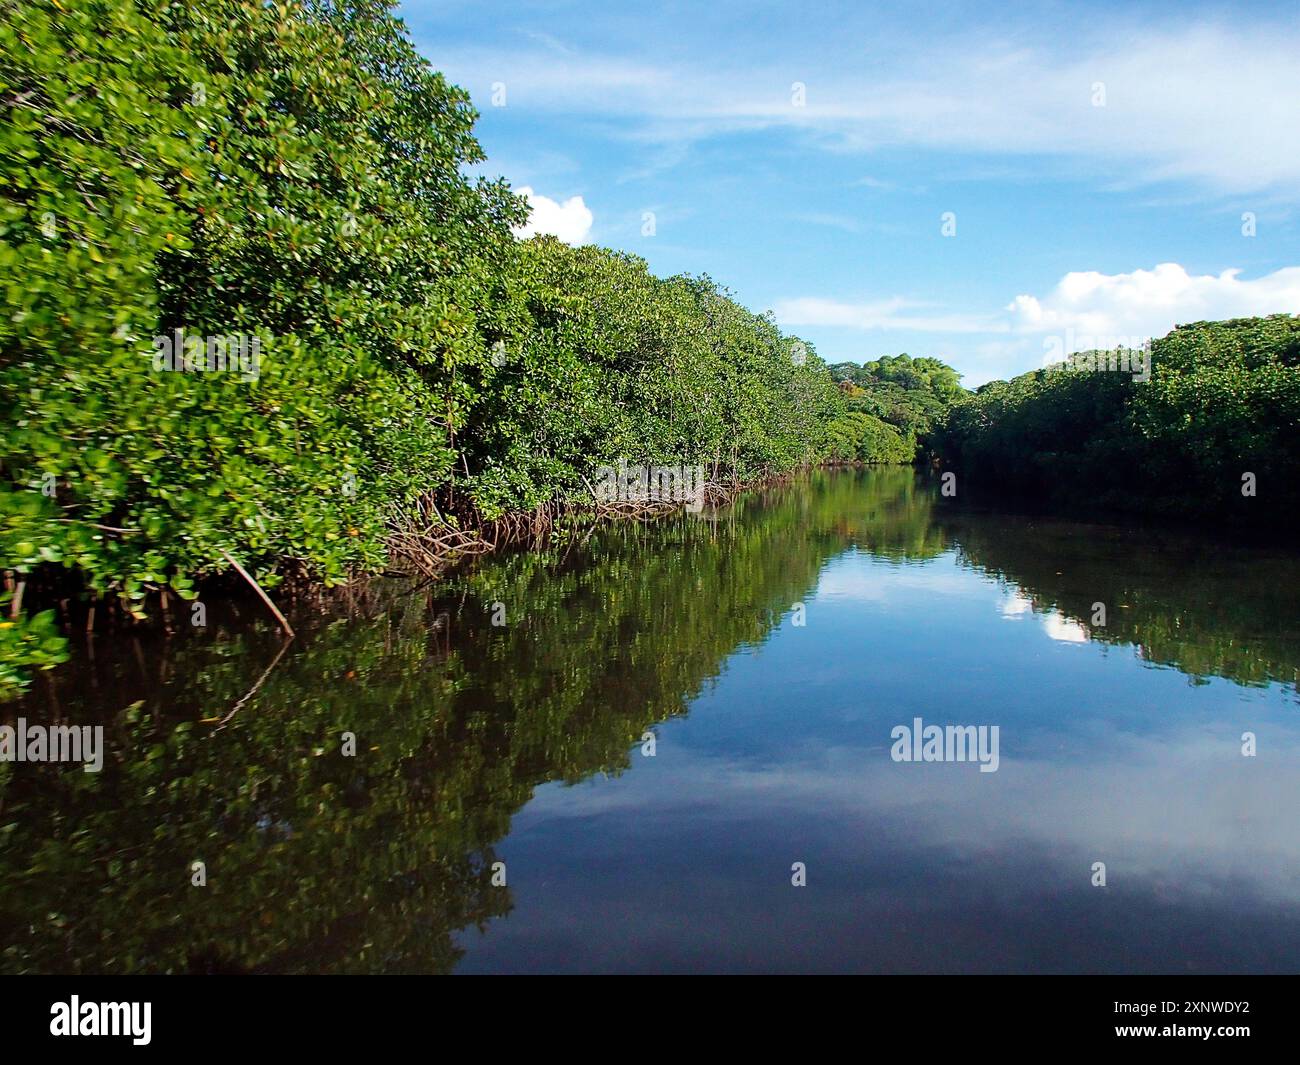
675	747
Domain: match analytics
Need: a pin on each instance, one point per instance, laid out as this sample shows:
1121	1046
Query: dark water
522	744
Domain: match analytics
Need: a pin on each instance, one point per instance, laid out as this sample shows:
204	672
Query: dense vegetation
896	402
1172	610
294	174
1222	402
297	174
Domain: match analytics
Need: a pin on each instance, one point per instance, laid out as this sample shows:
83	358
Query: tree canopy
294	176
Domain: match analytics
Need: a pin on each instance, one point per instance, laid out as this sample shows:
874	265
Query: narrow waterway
627	751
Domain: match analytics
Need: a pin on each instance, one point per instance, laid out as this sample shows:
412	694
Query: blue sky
1103	163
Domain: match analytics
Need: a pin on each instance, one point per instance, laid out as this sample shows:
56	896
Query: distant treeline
895	403
1214	433
255	308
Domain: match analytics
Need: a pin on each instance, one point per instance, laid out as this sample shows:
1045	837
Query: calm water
522	744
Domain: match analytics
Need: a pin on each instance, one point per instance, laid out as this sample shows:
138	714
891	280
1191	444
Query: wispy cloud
1145	303
893	313
1148	303
550	41
844	222
1208	104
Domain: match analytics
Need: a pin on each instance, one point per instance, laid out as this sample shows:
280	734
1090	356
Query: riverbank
417	379
428	553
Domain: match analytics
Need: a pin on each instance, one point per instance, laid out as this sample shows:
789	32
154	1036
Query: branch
258	589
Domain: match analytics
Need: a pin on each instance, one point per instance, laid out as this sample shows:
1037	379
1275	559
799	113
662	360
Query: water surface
525	744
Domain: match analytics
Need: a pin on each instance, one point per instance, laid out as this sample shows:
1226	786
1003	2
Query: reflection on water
522	744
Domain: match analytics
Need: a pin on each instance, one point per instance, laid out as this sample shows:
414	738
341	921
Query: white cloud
1167	802
859	583
1149	303
570	220
893	313
1058	627
1086	308
1208	103
1063	629
1016	606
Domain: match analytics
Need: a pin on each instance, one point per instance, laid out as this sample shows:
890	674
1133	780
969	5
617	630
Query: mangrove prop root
284	623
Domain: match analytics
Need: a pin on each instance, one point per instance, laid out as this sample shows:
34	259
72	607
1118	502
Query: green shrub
1223	400
294	174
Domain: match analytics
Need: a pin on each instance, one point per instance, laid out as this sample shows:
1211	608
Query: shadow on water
227	748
